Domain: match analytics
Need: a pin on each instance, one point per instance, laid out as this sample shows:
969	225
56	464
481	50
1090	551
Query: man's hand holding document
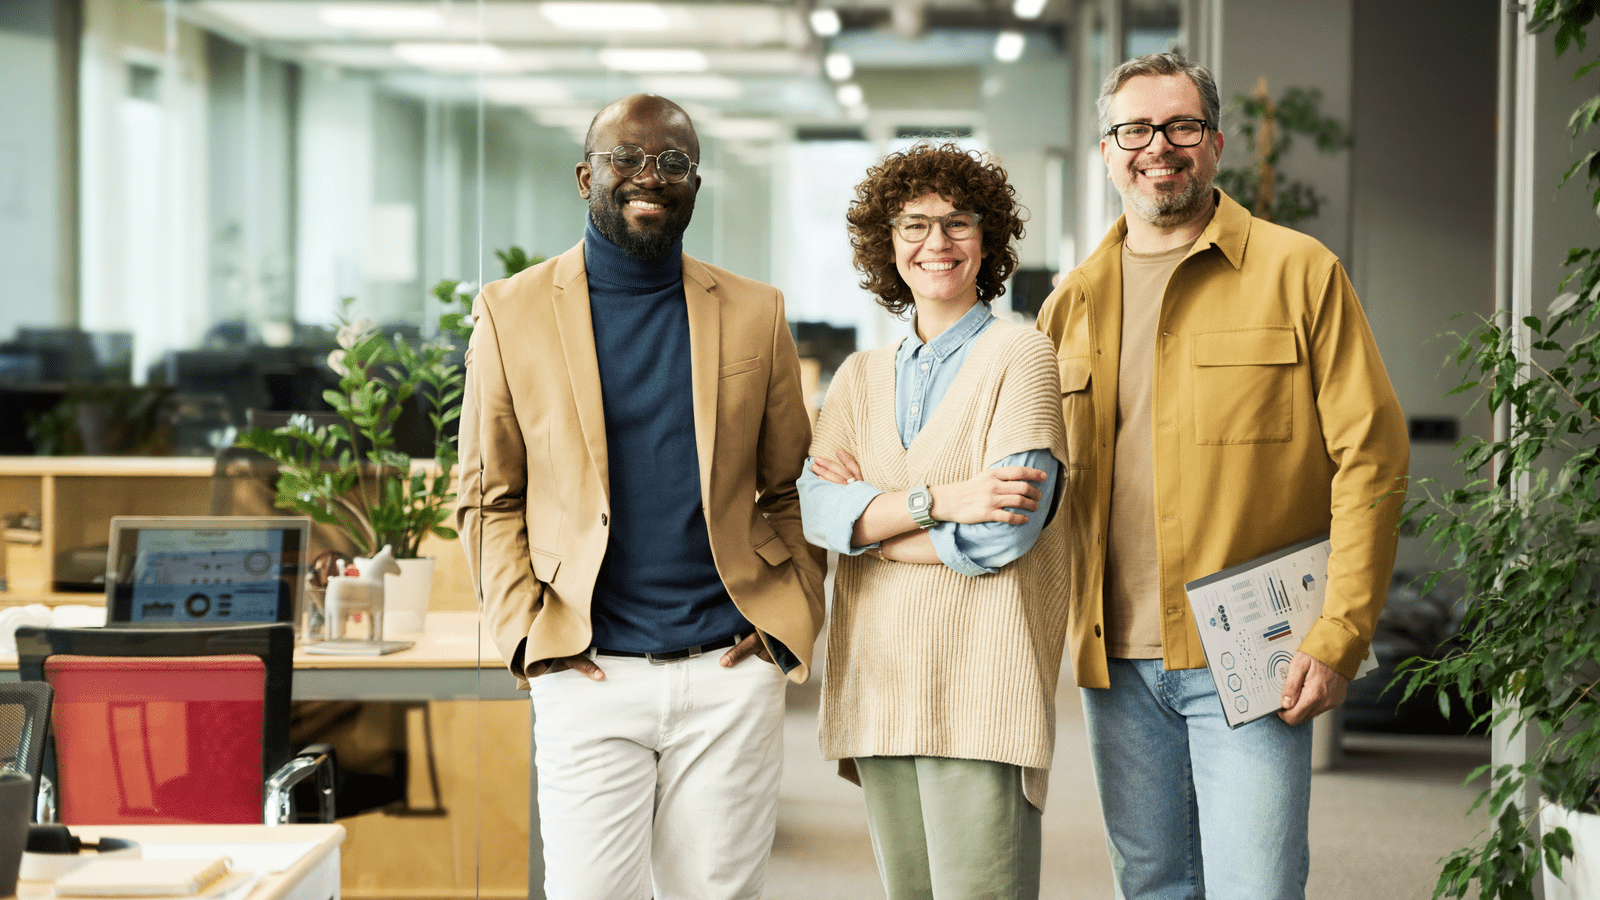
1252	617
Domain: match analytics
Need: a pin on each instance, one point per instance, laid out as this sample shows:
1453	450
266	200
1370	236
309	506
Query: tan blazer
533	503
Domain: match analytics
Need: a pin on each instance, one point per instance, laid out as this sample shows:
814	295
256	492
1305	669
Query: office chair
24	728
195	722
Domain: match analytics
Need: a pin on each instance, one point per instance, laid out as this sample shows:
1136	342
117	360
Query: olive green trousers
951	829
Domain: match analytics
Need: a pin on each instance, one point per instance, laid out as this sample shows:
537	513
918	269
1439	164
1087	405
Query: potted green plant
348	474
1523	538
374	496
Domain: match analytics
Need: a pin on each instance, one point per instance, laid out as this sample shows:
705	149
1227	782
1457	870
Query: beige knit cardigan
922	660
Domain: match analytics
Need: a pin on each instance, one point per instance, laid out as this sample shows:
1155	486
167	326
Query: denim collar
954	337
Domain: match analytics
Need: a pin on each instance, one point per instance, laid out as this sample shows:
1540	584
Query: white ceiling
745	66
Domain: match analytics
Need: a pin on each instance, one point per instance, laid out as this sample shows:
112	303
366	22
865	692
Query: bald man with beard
631	433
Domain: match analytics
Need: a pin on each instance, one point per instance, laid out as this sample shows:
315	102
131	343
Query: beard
1168	208
606	211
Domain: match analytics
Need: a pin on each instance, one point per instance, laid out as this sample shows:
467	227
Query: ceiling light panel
739	129
454	57
641	59
734	24
382	19
527	92
607	16
296	20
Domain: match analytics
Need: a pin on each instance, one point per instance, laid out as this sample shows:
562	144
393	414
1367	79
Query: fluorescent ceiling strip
605	16
452	56
663	60
527	92
742	129
382	18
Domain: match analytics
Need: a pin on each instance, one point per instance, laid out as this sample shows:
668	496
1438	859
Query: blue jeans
1193	809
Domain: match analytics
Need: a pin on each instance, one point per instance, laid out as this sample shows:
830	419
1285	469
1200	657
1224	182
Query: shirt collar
957	335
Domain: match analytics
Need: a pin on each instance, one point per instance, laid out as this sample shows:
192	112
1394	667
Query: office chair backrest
193	719
24	726
158	739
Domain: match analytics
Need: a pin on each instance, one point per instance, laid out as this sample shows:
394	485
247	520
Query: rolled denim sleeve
829	511
983	548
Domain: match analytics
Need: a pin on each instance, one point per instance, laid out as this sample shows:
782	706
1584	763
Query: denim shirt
923	374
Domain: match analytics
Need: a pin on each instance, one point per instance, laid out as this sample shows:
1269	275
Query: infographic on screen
207	575
1252	618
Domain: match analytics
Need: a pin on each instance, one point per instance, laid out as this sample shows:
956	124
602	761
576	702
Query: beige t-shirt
1133	579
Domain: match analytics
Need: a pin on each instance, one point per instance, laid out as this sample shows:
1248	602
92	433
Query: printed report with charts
1252	617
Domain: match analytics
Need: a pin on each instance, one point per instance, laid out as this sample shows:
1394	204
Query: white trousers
660	781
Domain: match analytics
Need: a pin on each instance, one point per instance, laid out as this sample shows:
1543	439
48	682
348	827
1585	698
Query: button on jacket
1273	422
533	492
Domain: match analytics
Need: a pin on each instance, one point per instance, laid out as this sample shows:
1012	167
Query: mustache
1169	161
652	196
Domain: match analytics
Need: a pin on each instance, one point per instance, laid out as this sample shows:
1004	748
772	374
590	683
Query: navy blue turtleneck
658	588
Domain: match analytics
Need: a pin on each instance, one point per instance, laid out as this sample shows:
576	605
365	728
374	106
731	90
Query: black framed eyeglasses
1179	133
628	161
915	227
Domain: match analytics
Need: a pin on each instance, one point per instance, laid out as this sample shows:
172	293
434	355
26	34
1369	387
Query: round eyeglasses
914	228
1179	133
628	161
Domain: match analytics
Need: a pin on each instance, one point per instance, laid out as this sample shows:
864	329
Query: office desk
314	876
446	664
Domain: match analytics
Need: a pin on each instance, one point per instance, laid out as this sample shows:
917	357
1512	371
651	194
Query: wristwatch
919	503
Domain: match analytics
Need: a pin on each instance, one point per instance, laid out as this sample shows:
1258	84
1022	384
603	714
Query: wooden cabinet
74	498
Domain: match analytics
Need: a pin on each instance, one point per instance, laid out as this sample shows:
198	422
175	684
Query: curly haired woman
930	464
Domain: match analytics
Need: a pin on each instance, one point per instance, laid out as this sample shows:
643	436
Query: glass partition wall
215	177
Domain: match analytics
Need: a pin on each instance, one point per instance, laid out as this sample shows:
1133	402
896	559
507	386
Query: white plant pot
405	596
1580	875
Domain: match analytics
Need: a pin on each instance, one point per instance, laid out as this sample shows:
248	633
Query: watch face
919	503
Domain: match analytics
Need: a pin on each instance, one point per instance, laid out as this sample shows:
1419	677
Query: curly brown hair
971	180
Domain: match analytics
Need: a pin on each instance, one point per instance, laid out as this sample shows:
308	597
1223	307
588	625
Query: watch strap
919	504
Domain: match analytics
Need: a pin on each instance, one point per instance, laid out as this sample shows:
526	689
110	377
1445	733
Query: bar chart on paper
1252	618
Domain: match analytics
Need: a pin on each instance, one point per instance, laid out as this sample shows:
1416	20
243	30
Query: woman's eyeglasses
915	227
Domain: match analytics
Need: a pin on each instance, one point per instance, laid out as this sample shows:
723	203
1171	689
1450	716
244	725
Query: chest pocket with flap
1243	385
1077	410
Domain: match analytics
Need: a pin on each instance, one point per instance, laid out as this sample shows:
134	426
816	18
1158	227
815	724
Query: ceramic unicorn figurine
360	593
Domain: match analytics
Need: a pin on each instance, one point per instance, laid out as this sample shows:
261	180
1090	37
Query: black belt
666	656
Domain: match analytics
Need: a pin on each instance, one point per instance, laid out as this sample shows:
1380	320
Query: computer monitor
165	571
